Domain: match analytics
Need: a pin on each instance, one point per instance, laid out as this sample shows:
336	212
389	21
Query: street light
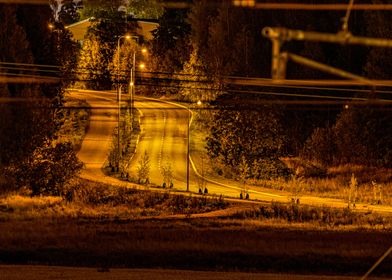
188	143
119	96
52	27
133	75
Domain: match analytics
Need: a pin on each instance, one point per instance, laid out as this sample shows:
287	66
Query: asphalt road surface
164	137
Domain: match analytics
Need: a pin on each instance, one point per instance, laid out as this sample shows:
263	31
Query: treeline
30	155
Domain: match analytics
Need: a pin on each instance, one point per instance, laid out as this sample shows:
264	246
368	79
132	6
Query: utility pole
279	35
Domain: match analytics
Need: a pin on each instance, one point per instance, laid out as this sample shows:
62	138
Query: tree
92	70
170	49
69	12
195	84
149	9
19	122
170	46
91	8
45	171
28	128
101	44
167	173
250	134
361	135
127	49
143	169
321	146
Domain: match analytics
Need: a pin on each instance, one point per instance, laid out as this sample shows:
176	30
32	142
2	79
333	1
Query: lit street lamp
54	29
119	96
133	76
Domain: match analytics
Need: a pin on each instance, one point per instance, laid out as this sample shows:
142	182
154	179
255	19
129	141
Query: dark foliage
27	127
361	135
247	135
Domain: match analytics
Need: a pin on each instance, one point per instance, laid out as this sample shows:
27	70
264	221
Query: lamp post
187	151
119	97
188	144
133	76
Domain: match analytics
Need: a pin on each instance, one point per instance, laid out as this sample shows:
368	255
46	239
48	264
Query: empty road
164	137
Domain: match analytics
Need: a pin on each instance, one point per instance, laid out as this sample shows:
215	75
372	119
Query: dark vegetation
30	155
197	245
146	202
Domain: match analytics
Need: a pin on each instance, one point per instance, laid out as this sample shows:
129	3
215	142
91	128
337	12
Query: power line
290	6
30	64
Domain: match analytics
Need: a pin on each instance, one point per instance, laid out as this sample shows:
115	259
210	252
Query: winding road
164	132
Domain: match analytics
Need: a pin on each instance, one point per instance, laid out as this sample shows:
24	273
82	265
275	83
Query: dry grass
106	227
332	182
87	200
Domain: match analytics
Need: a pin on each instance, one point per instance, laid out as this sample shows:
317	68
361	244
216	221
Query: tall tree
28	126
69	12
170	46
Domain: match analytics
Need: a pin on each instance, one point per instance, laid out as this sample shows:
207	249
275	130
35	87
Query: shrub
320	146
49	169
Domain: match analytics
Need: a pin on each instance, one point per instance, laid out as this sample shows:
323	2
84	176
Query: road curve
164	138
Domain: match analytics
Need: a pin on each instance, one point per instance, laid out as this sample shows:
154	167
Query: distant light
51	26
199	102
142	66
244	3
144	50
128	36
346	106
131	84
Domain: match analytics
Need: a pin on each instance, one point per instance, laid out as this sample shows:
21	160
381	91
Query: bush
269	168
49	169
320	146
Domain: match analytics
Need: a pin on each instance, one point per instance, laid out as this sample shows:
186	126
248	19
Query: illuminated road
98	139
164	138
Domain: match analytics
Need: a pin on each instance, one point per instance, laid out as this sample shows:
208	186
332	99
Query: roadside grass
86	199
76	117
374	184
103	226
318	217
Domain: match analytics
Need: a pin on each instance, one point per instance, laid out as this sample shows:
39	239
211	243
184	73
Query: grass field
113	228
